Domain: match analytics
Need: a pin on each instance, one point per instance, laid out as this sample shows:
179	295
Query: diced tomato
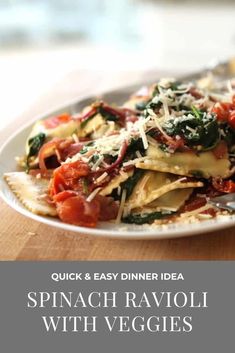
74	170
220	150
53	122
64	195
221	110
73	208
231	119
225	186
57	184
225	112
67	177
76	210
108	208
47	150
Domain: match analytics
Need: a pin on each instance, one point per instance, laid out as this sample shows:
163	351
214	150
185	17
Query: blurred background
44	41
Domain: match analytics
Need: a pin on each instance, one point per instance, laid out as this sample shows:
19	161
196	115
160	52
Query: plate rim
146	234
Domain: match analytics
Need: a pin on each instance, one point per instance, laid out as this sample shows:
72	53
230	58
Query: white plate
15	147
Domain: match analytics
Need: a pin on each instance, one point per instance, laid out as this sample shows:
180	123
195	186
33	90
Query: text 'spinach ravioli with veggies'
156	159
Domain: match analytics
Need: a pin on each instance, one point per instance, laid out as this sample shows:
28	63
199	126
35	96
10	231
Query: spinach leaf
196	127
184	108
107	115
131	182
154	104
141	106
145	217
35	143
134	145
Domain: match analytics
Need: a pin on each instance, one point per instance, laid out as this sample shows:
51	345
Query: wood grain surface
25	239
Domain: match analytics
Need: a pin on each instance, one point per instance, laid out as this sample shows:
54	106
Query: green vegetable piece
107	115
202	131
131	182
145	217
196	112
141	106
35	143
134	145
84	150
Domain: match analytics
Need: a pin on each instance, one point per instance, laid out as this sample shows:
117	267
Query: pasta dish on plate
156	159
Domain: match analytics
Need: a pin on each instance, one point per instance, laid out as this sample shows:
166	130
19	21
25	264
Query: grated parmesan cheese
190	129
143	136
97	163
160	128
121	207
75	138
196	212
164	103
101	177
93	194
119	190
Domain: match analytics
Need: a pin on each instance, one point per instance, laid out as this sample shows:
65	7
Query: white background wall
117	35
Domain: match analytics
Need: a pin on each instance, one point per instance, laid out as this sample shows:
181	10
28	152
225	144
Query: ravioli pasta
154	185
187	163
31	192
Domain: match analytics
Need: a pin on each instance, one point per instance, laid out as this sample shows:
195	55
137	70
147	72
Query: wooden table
25	239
